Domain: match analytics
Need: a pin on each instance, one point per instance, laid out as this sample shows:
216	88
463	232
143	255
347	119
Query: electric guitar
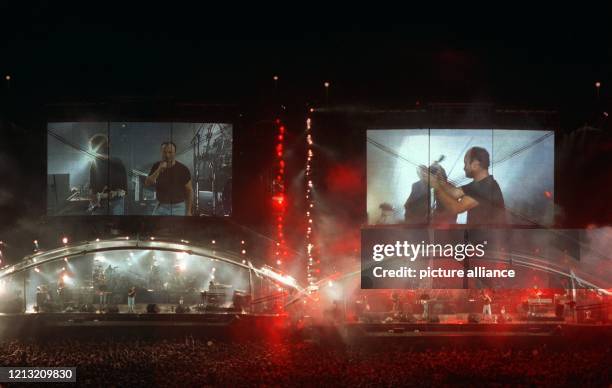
95	204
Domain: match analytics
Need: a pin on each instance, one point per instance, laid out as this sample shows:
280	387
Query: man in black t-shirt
107	180
482	198
172	182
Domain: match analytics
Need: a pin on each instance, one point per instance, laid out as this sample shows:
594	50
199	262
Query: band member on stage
482	198
395	298
131	299
61	287
486	307
42	299
172	182
107	180
102	290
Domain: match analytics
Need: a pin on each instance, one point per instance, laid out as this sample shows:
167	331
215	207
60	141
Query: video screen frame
196	147
389	214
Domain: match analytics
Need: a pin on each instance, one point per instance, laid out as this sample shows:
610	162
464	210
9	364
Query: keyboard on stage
540	301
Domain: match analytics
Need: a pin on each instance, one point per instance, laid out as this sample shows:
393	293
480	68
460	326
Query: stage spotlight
37	269
213	241
244	251
278	262
326	84
7	77
64	240
597	84
275	78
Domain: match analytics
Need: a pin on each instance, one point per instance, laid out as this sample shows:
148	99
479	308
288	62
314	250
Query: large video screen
139	168
460	176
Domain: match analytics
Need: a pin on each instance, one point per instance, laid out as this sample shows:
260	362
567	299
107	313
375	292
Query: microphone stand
196	169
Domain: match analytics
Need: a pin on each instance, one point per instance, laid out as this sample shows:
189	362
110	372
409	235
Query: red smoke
344	178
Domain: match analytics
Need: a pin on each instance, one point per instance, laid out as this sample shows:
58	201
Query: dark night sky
57	53
82	53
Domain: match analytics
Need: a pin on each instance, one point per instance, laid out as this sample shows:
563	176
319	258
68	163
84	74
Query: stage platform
228	325
216	324
473	334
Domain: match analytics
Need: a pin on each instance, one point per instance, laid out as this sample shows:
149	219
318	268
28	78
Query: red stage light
279	199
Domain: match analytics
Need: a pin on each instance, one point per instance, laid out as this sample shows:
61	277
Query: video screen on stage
139	168
442	177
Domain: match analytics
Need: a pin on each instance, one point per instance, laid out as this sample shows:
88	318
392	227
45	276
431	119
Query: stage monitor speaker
181	309
407	318
112	309
152	308
88	308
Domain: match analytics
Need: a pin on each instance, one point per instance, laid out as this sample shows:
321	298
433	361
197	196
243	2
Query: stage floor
232	325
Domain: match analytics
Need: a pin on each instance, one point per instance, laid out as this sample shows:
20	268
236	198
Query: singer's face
168	153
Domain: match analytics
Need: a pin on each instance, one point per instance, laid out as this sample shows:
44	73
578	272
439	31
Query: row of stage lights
279	199
64	240
312	269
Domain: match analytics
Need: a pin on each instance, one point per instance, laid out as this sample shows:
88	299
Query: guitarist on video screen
107	180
